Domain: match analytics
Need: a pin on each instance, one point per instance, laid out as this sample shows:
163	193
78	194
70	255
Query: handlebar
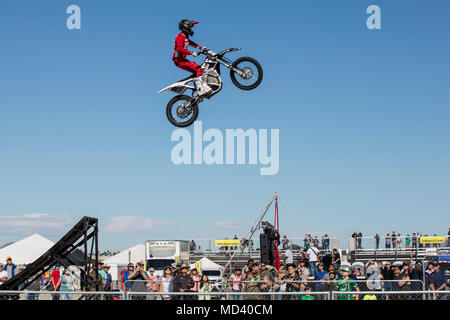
209	52
206	51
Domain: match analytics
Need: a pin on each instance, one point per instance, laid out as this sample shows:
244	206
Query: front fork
229	64
193	101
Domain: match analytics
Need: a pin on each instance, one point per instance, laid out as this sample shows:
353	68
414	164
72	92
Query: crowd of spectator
175	278
57	279
378	277
309	275
316	269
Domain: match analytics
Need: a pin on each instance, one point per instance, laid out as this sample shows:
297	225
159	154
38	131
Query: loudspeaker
267	249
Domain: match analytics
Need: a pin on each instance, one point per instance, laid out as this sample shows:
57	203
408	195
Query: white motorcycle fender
183	85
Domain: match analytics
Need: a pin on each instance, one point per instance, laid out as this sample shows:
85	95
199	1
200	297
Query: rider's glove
195	54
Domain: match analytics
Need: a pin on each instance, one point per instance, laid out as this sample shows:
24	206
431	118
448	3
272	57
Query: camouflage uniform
92	285
252	283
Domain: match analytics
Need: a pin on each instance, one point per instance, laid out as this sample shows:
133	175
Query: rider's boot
202	87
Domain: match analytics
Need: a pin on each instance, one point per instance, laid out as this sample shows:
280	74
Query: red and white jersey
182	42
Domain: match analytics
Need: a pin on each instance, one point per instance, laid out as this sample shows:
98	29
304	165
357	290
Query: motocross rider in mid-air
182	42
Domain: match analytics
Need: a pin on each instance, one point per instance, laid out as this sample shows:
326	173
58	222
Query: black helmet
186	25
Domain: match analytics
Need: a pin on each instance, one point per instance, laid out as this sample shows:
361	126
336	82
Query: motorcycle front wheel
250	75
181	112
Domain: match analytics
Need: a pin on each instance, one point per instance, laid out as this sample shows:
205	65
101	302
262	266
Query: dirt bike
246	73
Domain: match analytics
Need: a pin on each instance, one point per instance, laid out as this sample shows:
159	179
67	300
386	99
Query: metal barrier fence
333	295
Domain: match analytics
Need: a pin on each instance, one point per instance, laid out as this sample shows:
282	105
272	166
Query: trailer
163	253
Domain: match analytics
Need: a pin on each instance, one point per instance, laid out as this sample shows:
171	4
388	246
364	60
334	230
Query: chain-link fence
347	294
330	286
227	296
391	295
249	289
60	295
279	290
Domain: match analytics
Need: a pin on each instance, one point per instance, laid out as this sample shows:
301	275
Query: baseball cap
8	258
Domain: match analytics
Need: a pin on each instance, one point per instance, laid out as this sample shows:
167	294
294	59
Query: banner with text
432	239
227	243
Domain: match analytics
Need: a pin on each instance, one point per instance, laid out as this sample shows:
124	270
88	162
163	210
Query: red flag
277	259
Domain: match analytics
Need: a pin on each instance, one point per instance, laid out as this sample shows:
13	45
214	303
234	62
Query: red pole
277	228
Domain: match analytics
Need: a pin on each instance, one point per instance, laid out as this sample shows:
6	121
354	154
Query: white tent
26	250
207	264
133	255
215	270
123	258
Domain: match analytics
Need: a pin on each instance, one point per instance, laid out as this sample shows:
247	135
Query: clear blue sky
363	116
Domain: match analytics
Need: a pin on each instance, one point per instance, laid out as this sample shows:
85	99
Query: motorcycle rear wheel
178	118
251	66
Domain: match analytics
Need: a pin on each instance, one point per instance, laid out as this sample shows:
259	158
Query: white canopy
207	264
26	250
133	255
118	261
